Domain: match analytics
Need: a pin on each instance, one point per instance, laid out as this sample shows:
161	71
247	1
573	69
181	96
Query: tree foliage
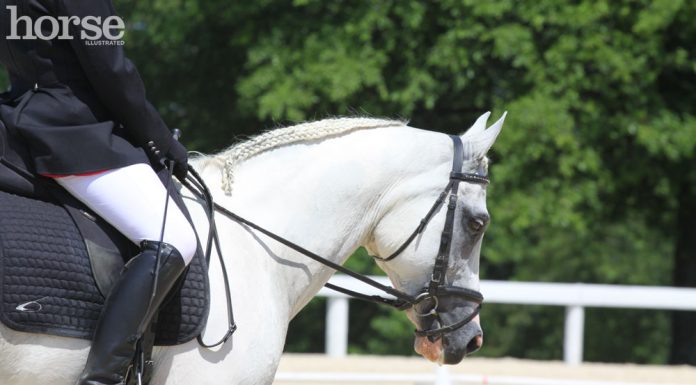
589	176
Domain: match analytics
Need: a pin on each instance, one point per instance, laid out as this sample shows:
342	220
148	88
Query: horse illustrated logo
94	29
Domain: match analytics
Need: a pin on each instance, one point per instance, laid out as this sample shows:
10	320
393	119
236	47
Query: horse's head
446	316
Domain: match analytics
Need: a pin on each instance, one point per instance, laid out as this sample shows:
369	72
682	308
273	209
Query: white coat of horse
330	186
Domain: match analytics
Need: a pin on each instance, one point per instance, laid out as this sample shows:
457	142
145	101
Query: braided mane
312	131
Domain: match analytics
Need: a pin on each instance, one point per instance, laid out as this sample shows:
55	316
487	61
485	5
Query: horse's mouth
451	348
431	351
438	353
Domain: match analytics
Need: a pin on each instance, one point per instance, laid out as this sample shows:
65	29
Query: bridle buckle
436	277
423	297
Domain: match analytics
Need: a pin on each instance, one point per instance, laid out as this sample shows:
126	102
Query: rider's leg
132	199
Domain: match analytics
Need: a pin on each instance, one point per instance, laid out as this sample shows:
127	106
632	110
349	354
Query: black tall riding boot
128	311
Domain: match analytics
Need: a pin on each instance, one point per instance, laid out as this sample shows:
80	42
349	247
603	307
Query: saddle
59	260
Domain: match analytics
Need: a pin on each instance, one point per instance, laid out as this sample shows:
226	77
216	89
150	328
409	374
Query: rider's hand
177	153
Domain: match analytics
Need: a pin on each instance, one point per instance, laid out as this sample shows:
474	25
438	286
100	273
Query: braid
322	129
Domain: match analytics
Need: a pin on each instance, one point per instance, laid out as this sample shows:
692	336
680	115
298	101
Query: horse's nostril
474	345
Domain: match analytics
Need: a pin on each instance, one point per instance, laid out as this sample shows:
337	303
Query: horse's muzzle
450	347
456	346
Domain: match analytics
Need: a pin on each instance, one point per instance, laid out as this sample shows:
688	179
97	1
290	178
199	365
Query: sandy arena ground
551	370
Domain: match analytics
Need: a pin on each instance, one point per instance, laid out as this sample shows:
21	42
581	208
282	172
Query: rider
80	107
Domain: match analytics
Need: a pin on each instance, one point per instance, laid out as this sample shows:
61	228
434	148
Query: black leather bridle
435	289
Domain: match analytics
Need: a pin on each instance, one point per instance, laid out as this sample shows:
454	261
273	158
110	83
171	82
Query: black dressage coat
79	106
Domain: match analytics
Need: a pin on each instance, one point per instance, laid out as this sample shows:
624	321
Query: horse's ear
478	126
482	140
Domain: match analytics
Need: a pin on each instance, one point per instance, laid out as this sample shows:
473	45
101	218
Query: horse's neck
325	197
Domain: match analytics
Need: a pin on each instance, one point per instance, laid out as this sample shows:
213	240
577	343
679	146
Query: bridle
435	289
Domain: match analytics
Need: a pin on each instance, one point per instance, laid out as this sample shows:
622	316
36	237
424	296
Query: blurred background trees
593	175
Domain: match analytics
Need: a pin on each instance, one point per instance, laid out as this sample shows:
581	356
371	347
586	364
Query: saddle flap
106	247
106	266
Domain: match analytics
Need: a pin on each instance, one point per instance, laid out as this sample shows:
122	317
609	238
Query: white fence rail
440	377
574	296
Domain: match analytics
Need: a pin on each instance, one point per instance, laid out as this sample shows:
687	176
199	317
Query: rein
436	287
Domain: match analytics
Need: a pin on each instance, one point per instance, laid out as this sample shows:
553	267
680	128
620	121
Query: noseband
435	289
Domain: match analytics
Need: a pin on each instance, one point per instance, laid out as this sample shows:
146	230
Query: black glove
175	152
178	153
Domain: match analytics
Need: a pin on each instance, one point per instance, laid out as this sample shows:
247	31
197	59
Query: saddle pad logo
31	306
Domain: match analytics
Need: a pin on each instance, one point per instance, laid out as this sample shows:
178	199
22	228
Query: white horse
330	186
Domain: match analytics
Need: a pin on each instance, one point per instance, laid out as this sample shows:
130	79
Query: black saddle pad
47	284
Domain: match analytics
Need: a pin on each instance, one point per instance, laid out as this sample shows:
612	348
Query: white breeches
132	200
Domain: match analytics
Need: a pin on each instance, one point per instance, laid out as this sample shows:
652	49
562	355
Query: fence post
336	326
442	376
573	337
